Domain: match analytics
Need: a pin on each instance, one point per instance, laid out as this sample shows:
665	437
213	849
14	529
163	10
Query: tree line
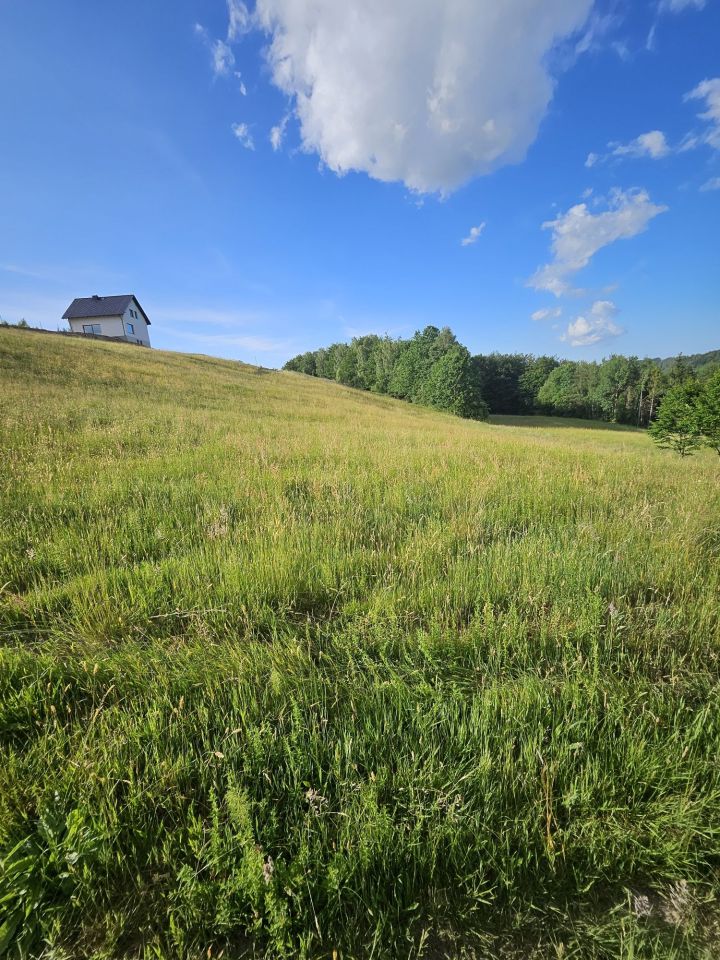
432	368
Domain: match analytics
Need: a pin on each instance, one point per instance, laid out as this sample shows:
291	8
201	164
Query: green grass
290	670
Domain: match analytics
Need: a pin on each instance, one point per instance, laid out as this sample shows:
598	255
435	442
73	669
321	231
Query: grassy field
289	670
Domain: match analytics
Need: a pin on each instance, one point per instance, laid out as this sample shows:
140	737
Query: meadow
291	670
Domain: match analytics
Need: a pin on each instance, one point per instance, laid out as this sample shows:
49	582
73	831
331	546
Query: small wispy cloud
221	55
546	313
677	6
222	58
596	325
277	133
239	20
242	133
712	184
709	91
474	235
596	32
652	145
670	6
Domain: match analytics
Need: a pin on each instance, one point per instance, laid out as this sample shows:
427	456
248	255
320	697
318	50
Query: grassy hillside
292	670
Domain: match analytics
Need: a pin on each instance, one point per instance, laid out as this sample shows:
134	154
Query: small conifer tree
709	412
678	421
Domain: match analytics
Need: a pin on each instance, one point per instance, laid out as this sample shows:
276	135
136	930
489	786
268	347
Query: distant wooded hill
701	363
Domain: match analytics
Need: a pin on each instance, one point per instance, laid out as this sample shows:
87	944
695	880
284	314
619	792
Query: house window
131	328
93	328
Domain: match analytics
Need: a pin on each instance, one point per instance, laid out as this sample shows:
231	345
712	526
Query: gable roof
96	306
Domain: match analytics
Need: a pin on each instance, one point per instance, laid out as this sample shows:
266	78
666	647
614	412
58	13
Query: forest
433	369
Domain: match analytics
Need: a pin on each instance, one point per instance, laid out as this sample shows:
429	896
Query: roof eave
147	319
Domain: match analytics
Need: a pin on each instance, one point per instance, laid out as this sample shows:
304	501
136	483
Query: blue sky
136	156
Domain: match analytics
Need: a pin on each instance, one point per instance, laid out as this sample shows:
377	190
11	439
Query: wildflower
642	907
676	904
315	800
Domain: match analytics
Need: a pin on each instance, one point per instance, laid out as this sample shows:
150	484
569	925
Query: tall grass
289	670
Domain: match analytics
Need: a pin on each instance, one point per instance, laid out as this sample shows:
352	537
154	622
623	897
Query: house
120	318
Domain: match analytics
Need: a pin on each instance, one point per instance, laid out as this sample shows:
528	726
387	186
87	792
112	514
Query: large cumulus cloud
427	92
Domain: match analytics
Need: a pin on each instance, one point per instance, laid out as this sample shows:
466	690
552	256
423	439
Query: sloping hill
286	667
702	363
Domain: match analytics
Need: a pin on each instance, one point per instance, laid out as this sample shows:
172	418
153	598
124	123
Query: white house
121	318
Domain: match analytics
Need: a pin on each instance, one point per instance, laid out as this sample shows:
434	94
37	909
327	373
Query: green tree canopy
454	385
560	392
708	408
678	422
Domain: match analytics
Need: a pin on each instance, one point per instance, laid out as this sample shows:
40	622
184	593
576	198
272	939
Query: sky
543	176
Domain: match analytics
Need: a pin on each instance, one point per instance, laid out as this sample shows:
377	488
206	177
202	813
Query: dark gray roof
101	307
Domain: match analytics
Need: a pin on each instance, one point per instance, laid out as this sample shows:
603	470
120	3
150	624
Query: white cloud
712	184
599	324
578	234
277	133
622	49
709	91
596	31
242	132
676	6
652	144
474	235
238	19
223	58
456	89
546	313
